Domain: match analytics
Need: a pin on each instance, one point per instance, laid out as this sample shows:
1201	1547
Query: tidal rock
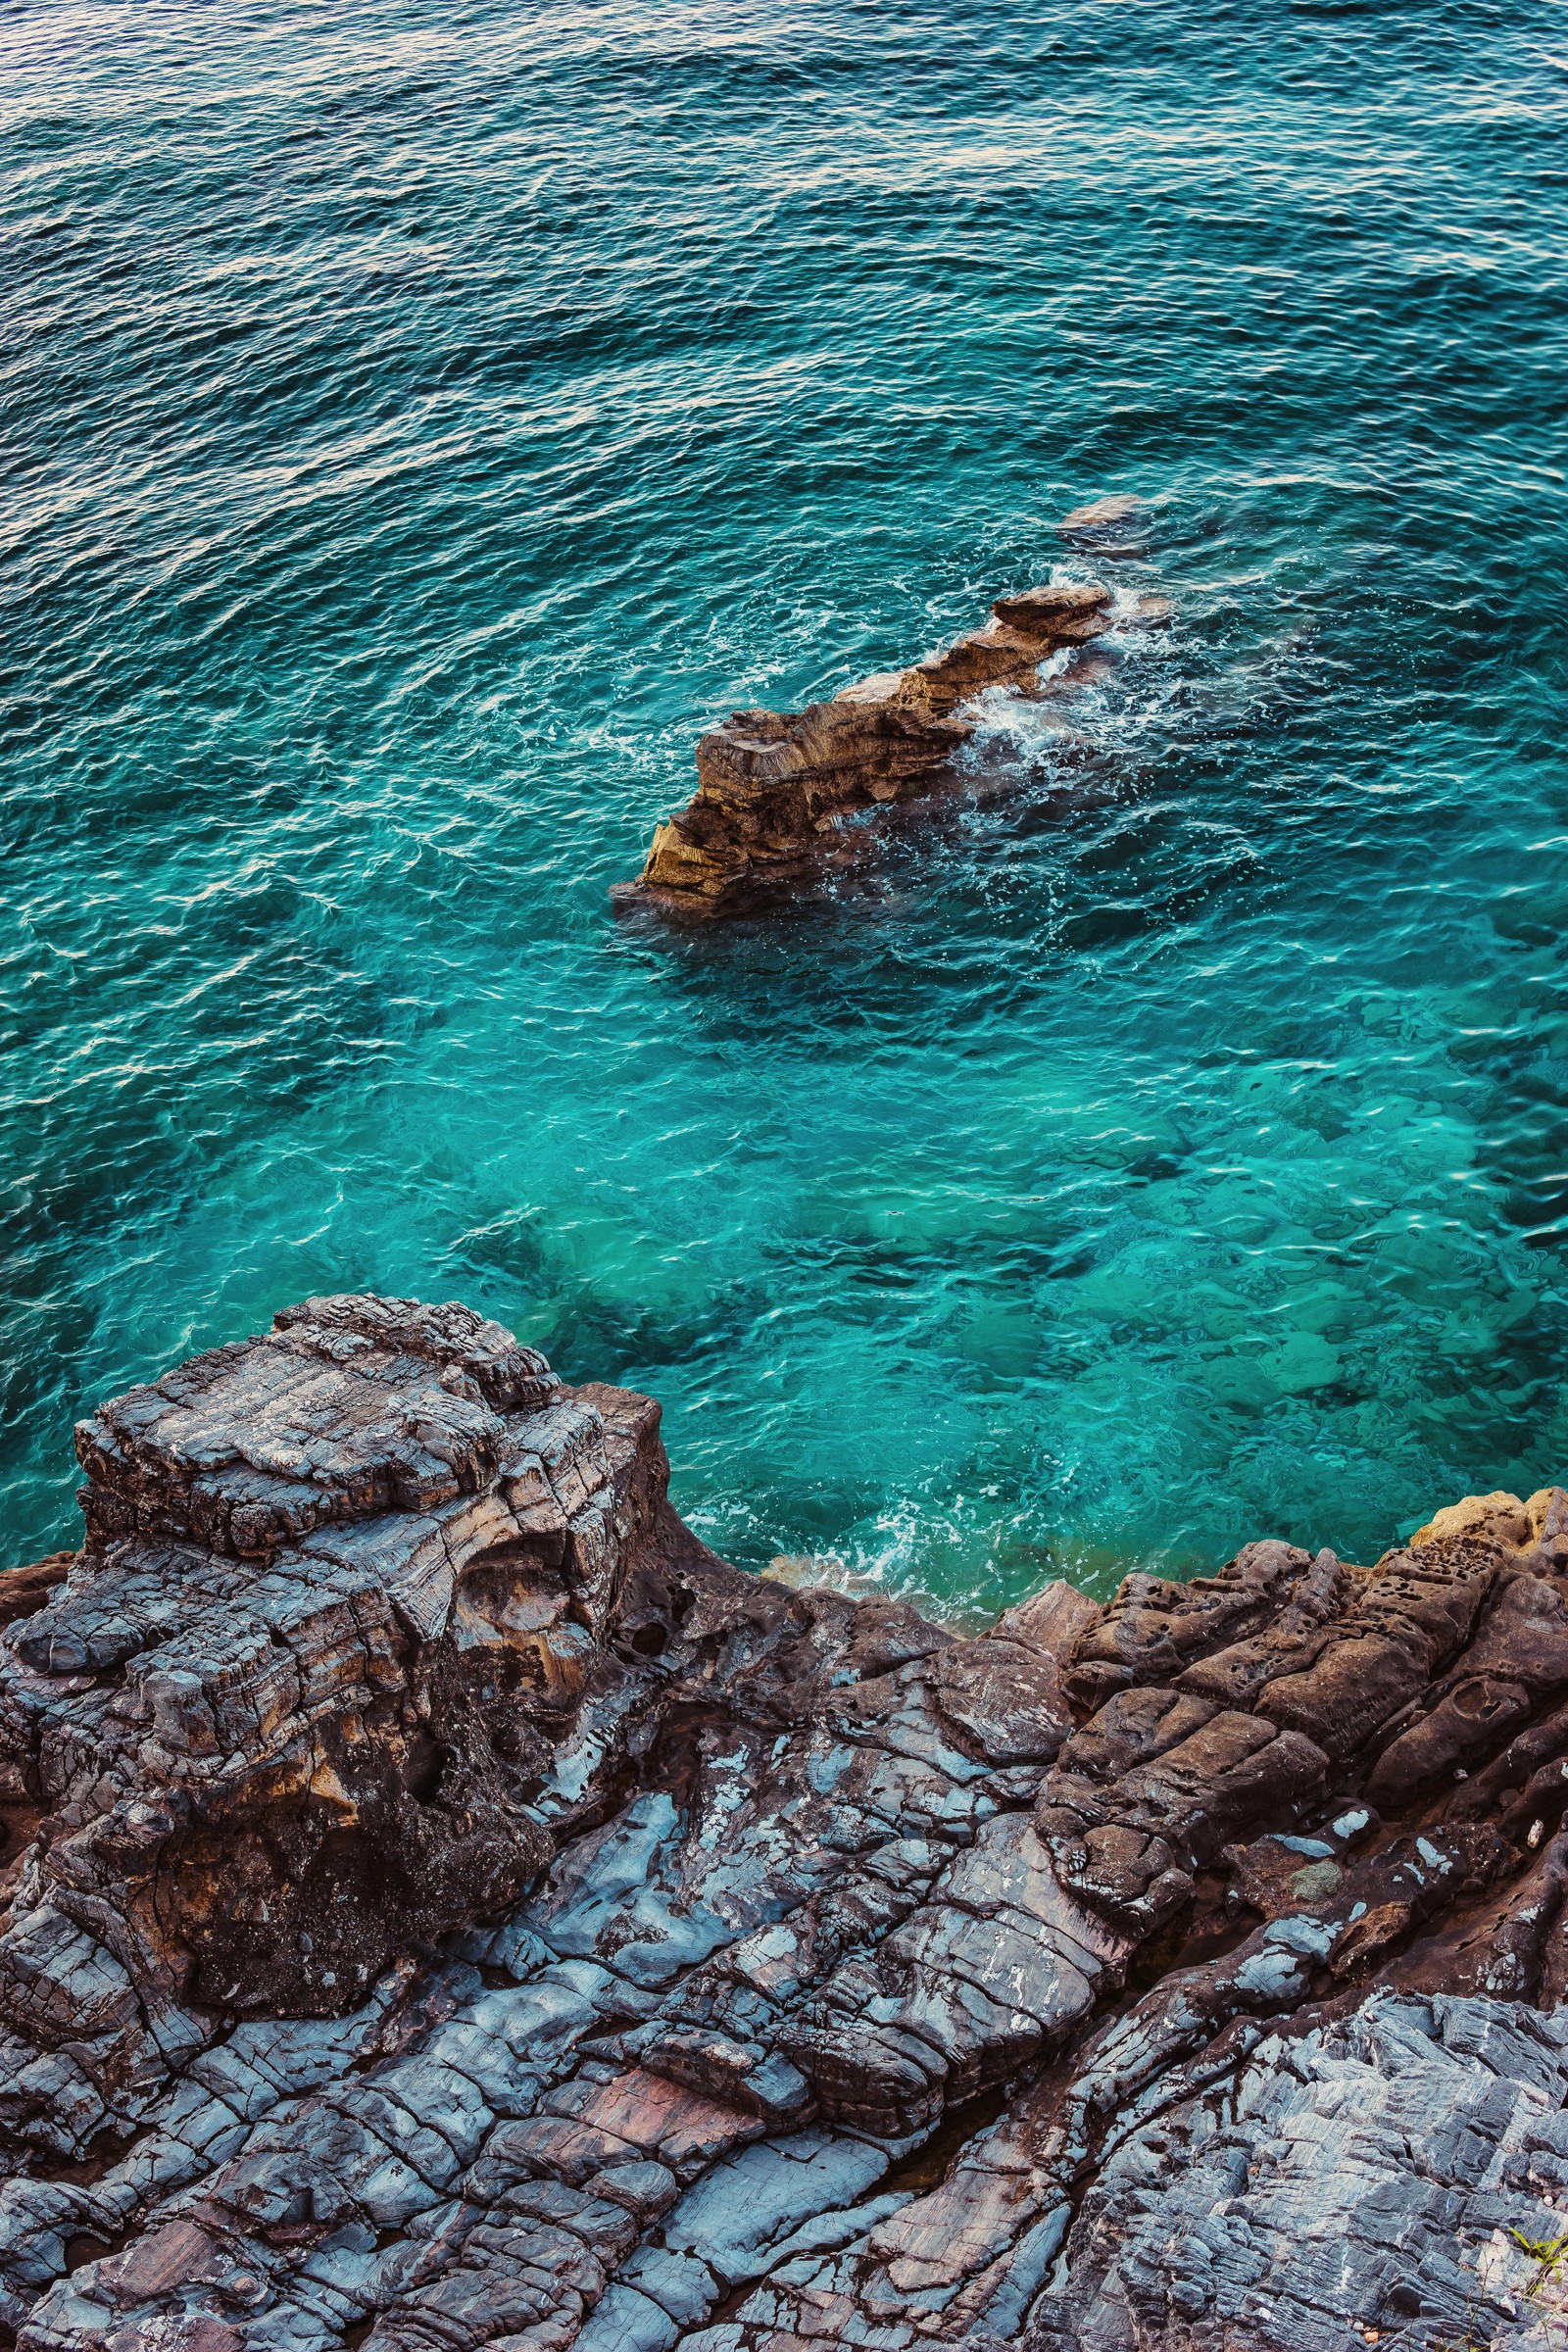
452	1908
1118	525
774	790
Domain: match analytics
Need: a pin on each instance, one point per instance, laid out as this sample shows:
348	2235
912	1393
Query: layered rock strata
775	790
448	1907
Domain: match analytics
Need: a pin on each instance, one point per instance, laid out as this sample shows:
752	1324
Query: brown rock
774	788
1500	1518
1053	1620
24	1591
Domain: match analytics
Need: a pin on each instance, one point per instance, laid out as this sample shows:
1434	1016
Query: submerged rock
774	789
1118	525
450	1907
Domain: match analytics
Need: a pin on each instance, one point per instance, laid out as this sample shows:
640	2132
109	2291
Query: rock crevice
448	1907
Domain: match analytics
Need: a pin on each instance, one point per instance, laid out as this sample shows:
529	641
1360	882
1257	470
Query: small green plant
1547	2254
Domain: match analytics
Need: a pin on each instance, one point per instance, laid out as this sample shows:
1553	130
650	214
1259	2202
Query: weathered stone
691	1906
774	789
1052	1619
24	1591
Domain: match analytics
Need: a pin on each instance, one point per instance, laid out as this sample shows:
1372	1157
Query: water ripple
422	422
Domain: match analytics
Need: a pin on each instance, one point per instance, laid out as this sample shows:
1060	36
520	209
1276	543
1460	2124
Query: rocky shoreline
777	791
447	1906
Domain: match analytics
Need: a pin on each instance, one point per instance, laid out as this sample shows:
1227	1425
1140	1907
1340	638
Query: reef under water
425	425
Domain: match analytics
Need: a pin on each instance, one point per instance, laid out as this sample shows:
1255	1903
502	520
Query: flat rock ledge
446	1906
777	789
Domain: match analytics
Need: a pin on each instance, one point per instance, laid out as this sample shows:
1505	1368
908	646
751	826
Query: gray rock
748	1967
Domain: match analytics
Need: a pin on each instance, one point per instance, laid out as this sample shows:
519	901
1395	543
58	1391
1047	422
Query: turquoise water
422	420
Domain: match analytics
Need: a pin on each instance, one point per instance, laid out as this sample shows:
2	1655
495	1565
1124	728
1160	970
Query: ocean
421	424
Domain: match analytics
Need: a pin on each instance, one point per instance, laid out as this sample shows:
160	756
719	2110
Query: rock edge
776	789
446	1908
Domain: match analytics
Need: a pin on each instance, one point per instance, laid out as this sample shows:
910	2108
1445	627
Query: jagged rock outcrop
448	1907
774	790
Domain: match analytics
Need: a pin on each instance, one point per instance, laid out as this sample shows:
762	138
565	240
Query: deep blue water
421	422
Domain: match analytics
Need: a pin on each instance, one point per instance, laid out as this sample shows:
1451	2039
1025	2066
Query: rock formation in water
449	1907
1118	525
774	789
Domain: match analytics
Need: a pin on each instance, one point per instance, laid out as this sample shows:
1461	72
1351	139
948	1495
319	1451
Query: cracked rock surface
448	1907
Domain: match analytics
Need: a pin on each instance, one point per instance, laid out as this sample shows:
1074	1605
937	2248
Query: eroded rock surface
775	789
448	1907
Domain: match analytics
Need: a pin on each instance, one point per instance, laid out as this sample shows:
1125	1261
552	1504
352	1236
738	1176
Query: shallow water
423	420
